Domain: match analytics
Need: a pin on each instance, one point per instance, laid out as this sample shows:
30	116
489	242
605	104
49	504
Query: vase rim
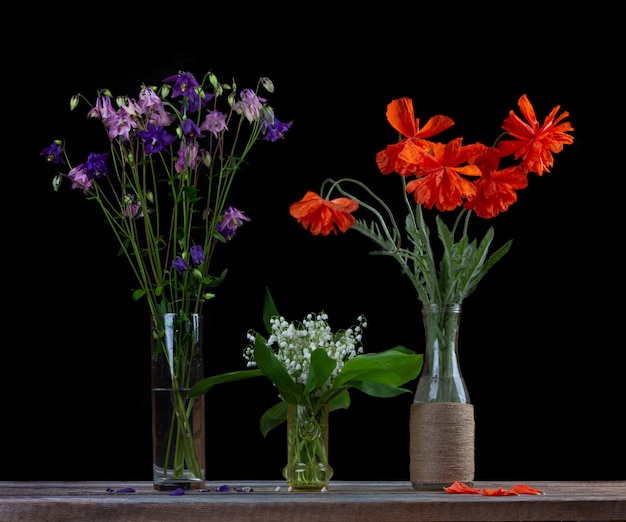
438	307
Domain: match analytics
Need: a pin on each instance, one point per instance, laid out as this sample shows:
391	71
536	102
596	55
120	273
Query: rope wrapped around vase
441	444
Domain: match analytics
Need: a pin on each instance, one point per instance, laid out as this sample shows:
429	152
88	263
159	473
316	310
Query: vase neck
441	379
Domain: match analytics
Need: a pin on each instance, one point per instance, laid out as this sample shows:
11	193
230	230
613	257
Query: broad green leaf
273	417
216	281
375	389
269	310
138	294
204	385
320	369
340	401
391	367
274	370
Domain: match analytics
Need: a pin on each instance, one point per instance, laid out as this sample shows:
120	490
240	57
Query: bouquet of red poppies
447	176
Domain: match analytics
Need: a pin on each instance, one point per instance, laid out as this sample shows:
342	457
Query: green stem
307	448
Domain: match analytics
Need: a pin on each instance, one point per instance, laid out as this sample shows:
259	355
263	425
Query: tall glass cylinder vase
178	437
442	417
307	466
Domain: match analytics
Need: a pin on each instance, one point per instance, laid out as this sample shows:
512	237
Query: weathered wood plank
344	501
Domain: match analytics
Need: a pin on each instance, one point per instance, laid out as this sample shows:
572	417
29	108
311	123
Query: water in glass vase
178	423
172	471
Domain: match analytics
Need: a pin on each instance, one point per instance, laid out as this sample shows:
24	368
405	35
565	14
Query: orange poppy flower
523	489
535	144
500	492
461	487
495	189
322	216
402	118
440	177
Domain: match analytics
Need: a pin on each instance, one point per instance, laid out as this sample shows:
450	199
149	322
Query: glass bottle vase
442	417
178	423
307	466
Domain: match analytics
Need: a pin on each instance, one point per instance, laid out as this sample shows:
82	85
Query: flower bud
207	296
74	101
267	84
56	182
164	91
213	80
150	196
196	273
200	92
206	159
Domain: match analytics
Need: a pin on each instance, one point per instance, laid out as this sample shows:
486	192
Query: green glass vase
307	466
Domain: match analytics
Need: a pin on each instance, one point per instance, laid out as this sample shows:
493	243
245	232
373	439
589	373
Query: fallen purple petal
177	492
110	490
126	490
223	488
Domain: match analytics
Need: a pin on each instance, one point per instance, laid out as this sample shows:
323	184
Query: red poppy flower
322	216
535	144
402	118
495	189
440	174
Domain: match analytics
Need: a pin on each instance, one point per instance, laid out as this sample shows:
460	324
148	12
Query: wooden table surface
344	502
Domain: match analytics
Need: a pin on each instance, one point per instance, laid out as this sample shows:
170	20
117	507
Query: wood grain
343	502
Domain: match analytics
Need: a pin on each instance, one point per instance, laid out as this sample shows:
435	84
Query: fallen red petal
523	489
498	493
461	487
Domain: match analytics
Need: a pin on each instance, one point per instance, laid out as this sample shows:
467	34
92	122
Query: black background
542	338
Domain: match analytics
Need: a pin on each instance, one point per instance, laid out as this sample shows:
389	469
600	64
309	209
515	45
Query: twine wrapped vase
442	417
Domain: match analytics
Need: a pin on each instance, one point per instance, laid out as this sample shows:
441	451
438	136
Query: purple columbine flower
187	157
155	138
274	130
151	105
120	124
185	85
53	154
103	109
95	166
197	255
250	105
79	178
190	129
179	264
232	219
214	122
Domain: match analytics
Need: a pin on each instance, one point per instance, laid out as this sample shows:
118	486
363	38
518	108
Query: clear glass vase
307	466
178	423
441	379
442	417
